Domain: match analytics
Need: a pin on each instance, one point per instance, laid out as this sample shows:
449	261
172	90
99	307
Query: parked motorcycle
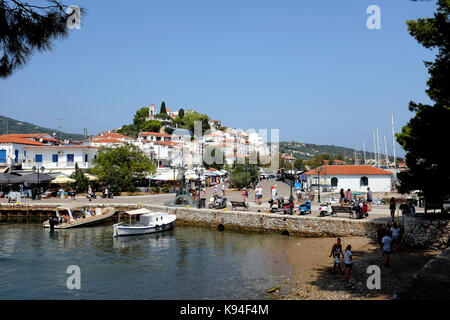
217	202
325	209
91	196
305	208
360	209
110	195
276	205
289	207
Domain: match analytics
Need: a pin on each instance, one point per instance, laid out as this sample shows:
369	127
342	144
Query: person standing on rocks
336	252
348	260
386	248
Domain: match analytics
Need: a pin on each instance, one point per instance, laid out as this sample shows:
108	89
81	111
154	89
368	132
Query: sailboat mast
378	149
374	148
385	152
393	141
364	147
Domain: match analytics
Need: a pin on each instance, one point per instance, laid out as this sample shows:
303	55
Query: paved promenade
378	212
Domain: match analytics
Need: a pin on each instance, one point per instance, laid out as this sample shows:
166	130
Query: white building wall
377	183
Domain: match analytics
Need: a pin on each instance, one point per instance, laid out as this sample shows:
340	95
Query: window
364	182
55	158
86	158
70	158
334	182
38	158
16	154
2	156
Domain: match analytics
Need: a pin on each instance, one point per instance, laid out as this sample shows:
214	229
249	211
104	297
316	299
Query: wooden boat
70	219
149	222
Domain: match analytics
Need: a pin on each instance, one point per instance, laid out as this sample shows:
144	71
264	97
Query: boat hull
121	230
109	212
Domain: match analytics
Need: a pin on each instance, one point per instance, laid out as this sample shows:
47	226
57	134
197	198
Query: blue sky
309	68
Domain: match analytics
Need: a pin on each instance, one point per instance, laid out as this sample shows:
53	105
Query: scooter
276	205
325	210
110	195
289	207
360	209
305	208
217	202
91	196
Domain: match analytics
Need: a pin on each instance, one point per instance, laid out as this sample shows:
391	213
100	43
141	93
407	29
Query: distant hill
8	125
307	151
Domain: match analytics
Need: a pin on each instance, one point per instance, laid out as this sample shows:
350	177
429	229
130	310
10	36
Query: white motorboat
149	222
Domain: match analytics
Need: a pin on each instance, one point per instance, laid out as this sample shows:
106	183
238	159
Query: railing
56	165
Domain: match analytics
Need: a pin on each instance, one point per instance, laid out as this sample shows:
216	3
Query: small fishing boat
65	218
149	222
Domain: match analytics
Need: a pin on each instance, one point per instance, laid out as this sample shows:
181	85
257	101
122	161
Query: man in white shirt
223	189
274	192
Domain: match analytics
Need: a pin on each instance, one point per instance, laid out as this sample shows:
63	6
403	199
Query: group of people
389	240
337	252
347	198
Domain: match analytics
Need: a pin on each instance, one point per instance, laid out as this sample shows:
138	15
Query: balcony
29	164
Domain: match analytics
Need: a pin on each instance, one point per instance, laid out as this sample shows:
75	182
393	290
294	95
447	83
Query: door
2	156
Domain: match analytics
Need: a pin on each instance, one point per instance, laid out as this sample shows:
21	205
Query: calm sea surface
186	263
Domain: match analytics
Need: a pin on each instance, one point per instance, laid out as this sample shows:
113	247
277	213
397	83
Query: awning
62	180
32	178
90	177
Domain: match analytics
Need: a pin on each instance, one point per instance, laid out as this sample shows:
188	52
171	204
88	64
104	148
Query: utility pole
60	128
393	141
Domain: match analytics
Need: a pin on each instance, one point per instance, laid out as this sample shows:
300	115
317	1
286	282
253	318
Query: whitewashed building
59	158
354	177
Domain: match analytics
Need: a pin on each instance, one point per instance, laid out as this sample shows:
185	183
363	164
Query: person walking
348	260
223	189
274	192
386	247
245	194
336	252
392	207
342	199
369	199
349	196
299	195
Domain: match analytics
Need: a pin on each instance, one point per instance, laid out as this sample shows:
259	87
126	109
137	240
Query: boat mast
385	152
374	148
364	147
393	141
378	149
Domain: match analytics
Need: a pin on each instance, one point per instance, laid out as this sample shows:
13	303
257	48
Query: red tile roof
18	140
112	135
348	170
106	141
157	134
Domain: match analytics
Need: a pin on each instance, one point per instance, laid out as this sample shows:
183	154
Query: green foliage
163	108
129	130
121	167
190	117
422	136
81	184
242	175
299	164
151	126
140	117
26	28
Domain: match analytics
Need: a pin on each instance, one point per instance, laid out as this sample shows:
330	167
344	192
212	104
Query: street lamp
318	172
199	173
38	170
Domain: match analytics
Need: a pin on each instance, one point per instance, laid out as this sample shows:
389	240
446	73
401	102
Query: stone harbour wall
309	226
423	231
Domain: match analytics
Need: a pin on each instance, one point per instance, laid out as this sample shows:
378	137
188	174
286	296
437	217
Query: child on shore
348	260
336	252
